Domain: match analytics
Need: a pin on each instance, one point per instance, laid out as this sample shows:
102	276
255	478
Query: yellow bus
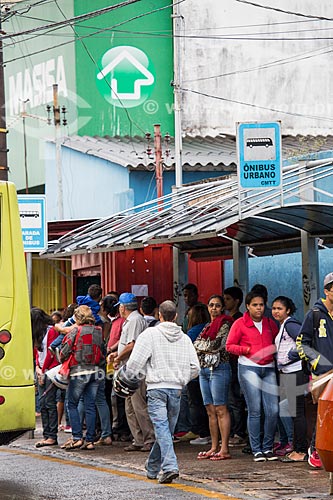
17	392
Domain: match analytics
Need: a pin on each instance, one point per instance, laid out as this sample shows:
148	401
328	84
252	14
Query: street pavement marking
130	475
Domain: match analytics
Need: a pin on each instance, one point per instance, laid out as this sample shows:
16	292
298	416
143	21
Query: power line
66	22
277	62
309	16
131	121
102	30
314	117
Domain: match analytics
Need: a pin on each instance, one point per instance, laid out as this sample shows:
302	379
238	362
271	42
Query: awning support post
180	277
241	267
310	266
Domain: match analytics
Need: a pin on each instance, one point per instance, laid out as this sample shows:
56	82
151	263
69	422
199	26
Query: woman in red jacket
252	339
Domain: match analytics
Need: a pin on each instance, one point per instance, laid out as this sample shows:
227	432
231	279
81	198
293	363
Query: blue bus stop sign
33	222
259	155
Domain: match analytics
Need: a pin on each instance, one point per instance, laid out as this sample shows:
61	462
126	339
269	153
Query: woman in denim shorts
215	377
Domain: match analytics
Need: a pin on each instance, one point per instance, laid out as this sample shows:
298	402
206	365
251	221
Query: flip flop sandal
66	443
288	459
41	444
205	455
74	444
87	446
218	456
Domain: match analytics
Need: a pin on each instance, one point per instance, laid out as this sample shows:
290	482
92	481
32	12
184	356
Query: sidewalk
239	477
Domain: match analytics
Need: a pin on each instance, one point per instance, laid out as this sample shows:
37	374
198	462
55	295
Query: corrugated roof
199	153
208	216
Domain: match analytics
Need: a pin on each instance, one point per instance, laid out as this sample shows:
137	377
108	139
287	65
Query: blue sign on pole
259	155
33	222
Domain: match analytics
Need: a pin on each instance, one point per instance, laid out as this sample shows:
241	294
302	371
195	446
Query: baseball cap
127	298
328	279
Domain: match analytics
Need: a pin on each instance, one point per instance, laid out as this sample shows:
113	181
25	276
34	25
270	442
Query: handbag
318	384
207	358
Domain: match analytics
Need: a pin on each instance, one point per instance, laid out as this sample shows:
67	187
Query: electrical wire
309	16
66	22
313	117
277	62
130	119
96	32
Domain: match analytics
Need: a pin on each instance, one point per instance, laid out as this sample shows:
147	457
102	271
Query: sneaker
277	446
247	449
68	429
237	441
259	457
132	447
283	450
147	447
168	477
199	440
314	459
180	434
189	436
269	455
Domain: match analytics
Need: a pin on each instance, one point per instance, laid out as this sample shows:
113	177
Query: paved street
238	478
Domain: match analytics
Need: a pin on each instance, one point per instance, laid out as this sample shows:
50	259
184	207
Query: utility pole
57	139
24	115
177	20
56	115
180	265
158	164
3	129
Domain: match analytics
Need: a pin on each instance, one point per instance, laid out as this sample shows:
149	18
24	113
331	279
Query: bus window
17	391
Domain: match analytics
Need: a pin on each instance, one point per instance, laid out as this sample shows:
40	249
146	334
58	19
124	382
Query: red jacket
50	360
244	334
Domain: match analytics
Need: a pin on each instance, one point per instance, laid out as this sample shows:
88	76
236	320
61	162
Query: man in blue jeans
167	358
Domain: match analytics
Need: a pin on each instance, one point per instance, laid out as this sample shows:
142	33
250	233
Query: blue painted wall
92	187
282	275
143	183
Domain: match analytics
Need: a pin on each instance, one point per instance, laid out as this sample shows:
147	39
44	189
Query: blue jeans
48	407
85	386
259	387
214	384
163	409
103	410
183	422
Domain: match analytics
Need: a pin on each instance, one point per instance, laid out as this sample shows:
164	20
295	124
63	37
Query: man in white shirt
168	360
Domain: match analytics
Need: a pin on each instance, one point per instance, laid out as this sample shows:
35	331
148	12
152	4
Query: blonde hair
83	315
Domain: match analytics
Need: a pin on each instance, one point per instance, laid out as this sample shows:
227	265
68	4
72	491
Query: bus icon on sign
259	141
29	213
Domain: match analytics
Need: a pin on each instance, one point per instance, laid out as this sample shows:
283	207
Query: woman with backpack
292	380
84	343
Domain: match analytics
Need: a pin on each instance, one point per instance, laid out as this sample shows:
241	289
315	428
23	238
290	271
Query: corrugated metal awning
205	218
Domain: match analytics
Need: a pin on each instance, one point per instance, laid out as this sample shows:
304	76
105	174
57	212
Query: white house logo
127	76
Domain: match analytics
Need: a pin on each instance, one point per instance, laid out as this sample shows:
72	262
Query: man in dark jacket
315	345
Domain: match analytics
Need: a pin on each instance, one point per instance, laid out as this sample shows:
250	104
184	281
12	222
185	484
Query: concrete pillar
241	267
180	278
310	273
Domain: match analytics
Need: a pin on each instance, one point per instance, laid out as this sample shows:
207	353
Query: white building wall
273	72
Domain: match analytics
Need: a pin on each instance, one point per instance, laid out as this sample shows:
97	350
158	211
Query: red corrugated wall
151	266
208	276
